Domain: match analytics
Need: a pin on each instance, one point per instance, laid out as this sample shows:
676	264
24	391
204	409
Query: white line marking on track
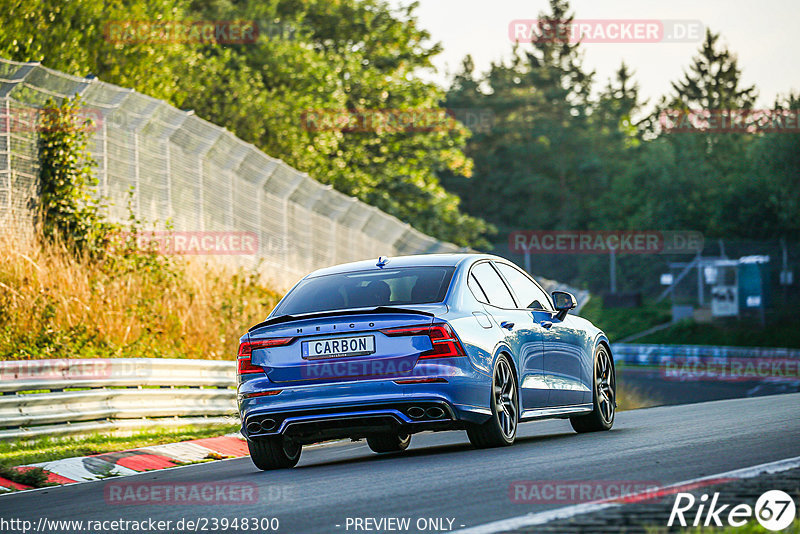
540	518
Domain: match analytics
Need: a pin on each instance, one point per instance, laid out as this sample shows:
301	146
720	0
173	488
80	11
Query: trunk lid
342	345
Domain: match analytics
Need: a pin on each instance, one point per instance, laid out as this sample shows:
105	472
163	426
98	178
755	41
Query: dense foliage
561	156
563	150
66	209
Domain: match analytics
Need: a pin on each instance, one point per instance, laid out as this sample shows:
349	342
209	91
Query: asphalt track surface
442	477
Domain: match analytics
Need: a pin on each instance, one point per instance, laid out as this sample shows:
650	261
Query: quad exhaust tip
415	412
434	412
265	425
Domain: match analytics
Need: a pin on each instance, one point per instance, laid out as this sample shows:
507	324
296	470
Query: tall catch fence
172	166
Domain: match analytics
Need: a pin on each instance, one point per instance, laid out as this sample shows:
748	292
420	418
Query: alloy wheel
605	386
505	398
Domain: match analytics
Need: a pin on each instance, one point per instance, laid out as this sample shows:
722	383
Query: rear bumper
311	413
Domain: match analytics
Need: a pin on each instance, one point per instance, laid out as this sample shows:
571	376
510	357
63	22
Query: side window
493	286
528	294
476	289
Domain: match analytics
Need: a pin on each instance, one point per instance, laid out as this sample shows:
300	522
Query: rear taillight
445	343
246	351
422	330
262	393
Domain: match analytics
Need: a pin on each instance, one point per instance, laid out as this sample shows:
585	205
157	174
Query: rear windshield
368	289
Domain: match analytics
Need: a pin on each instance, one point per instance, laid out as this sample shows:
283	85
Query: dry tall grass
54	305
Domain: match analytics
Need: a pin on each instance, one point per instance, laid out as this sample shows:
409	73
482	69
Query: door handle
546	324
507	324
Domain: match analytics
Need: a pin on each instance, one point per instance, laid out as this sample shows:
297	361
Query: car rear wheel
389	442
501	428
605	396
274	453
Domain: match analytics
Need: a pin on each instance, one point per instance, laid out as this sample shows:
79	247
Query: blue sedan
382	349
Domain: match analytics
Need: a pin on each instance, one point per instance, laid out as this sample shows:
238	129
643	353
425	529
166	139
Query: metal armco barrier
68	396
71	396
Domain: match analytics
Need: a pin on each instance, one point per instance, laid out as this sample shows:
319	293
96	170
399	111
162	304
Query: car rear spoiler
380	309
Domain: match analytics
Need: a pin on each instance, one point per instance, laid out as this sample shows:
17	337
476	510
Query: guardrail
652	354
708	363
71	396
68	396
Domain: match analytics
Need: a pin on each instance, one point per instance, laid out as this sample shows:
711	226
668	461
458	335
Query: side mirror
564	302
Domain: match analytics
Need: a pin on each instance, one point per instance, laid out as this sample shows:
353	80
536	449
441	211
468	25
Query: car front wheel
605	396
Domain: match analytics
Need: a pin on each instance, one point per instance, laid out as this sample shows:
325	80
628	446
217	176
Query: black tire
501	429
274	453
604	396
381	443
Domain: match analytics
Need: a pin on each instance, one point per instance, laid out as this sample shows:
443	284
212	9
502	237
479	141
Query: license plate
339	347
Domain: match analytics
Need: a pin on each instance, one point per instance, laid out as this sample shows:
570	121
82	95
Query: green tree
713	80
66	209
537	167
75	37
711	165
711	86
769	204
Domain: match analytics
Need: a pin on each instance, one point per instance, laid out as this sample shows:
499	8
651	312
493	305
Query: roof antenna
382	261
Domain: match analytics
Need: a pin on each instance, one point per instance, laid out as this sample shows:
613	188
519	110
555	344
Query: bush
35	477
66	209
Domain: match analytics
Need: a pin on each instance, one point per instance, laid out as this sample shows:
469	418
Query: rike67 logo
774	510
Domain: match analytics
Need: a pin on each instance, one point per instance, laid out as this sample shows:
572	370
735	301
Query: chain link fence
176	168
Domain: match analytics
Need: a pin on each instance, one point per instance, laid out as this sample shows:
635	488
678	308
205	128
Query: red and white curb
130	462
